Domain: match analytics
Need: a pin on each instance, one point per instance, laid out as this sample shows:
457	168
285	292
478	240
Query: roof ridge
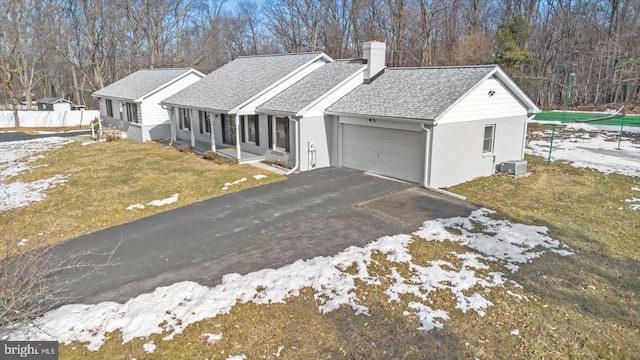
348	60
167	68
443	67
285	54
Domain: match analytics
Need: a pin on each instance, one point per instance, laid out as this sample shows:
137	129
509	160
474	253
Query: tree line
71	48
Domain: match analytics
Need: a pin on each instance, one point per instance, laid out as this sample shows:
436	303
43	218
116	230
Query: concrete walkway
314	213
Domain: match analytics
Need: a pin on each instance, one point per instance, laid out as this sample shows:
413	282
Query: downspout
427	160
524	135
297	146
237	125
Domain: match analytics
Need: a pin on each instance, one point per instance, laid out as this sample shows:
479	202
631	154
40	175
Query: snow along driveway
174	307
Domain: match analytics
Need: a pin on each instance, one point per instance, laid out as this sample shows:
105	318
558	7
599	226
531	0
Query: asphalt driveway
315	213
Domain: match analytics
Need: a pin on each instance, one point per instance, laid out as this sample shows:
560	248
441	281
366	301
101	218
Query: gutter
297	145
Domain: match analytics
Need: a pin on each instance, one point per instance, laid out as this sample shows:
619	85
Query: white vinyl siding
153	112
389	152
484	102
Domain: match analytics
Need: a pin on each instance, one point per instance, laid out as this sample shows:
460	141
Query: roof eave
277	112
382	117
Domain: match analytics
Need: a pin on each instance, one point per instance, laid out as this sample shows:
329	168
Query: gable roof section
142	82
240	80
52	100
419	93
313	86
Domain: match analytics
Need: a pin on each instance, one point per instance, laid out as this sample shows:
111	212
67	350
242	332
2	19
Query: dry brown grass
105	178
564	317
583	306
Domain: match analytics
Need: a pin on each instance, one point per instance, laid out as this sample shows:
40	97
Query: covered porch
222	150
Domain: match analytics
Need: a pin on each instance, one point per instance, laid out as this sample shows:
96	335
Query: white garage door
395	153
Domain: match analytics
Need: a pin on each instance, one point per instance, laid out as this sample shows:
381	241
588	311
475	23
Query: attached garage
384	124
390	152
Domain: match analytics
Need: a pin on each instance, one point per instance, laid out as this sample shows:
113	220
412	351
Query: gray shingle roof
412	93
238	81
312	86
140	83
52	100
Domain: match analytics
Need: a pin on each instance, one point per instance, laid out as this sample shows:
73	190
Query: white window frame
204	118
492	138
248	121
275	130
184	119
132	112
109	105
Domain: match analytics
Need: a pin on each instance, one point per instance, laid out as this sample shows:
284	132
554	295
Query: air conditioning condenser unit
514	167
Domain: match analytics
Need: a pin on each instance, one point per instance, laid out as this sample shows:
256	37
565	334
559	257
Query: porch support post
213	138
193	133
237	124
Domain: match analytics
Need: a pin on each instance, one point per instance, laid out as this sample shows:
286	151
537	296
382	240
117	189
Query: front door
228	129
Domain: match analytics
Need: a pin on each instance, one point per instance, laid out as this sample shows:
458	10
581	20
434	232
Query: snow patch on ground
172	308
211	338
170	200
634	201
17	157
259	176
149	347
599	152
228	184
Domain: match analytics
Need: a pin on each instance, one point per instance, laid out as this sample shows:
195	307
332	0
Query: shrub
184	148
112	135
210	155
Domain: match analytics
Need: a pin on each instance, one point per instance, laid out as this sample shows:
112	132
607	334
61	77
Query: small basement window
487	145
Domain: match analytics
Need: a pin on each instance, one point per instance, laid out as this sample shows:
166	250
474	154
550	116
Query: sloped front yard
552	274
55	189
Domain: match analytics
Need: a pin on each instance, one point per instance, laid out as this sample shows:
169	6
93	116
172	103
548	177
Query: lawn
104	179
577	297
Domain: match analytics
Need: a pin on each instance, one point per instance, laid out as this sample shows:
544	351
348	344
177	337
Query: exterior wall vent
514	167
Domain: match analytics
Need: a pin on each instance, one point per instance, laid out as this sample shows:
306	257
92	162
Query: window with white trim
282	133
109	105
205	122
487	144
132	112
184	122
252	129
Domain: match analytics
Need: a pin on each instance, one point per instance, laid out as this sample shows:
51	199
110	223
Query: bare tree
32	282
